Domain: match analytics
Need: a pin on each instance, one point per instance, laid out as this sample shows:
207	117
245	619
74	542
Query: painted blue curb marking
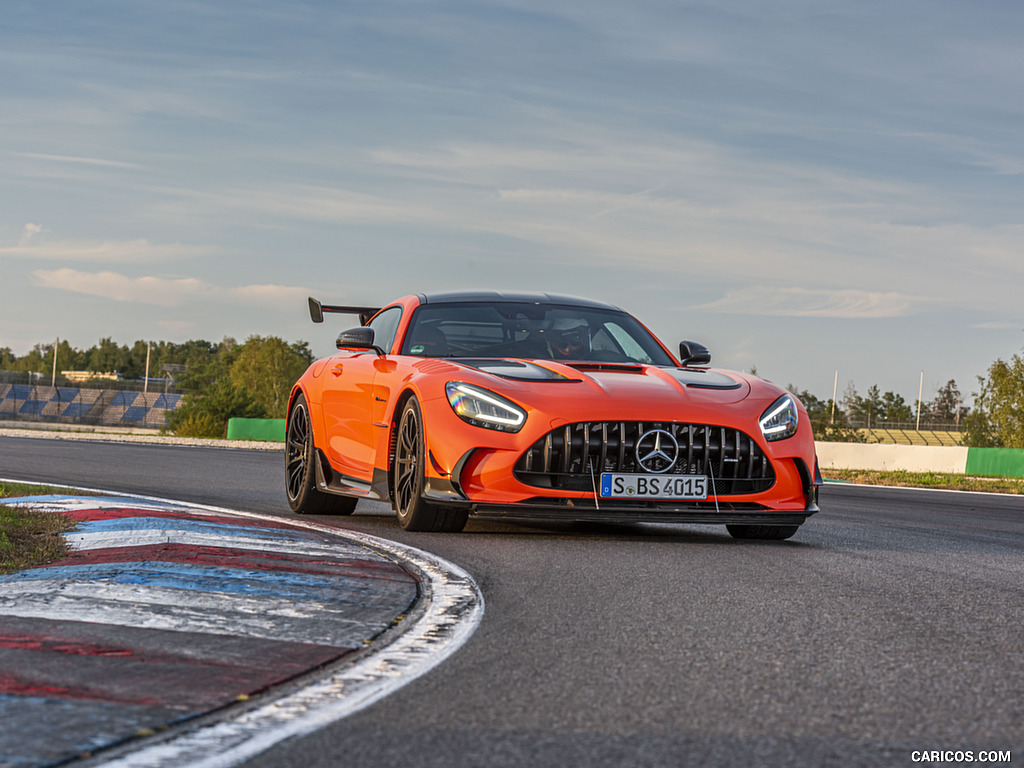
195	526
204	578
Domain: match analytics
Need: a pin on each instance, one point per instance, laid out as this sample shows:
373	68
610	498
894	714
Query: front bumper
576	508
488	479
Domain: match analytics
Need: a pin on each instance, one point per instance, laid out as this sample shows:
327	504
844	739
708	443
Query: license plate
622	486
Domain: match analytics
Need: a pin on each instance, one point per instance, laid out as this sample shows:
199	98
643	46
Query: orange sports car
542	407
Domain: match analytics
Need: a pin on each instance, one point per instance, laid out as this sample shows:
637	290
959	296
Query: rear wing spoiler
316	311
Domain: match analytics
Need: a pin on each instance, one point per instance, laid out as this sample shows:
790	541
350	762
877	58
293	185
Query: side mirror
358	338
692	353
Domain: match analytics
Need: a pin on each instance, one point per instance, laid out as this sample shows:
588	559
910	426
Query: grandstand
913	436
73	405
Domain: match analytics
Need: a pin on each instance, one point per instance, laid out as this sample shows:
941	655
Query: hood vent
606	368
514	370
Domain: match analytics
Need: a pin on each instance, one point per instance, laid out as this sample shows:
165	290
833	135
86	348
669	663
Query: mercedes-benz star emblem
656	451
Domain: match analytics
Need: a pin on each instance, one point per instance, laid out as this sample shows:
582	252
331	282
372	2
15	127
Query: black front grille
573	457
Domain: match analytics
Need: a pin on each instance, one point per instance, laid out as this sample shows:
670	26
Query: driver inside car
568	339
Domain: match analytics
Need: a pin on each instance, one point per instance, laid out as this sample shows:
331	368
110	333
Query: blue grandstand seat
20	392
135	413
167	402
32	408
124	399
76	410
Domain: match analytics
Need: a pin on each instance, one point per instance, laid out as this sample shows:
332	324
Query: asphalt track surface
891	624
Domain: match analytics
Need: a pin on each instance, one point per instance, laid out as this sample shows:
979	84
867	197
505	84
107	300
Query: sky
821	191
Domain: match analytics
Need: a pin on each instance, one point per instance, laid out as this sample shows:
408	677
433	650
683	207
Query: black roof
526	297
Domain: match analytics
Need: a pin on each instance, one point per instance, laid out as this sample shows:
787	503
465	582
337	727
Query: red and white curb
448	612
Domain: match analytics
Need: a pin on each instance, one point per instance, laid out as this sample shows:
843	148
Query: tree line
253	379
841	421
994	420
107	357
220	381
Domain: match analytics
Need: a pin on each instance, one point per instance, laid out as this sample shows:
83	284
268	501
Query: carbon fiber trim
728	515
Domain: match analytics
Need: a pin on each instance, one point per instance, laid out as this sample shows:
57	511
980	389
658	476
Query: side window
385	326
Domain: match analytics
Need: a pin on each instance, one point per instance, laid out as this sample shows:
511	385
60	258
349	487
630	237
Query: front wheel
299	469
414	512
762	532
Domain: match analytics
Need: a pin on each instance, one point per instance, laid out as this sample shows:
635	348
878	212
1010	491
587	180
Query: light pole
920	391
53	381
835	387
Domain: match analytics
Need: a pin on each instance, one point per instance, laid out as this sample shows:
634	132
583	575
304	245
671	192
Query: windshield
531	331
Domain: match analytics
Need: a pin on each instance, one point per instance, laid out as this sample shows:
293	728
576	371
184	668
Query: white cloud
78	160
678	206
163	291
808	302
30	231
125	251
1000	325
269	294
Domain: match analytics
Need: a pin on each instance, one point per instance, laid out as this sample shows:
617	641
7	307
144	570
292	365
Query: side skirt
329	481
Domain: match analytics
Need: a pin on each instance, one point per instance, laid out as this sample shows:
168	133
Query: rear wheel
414	512
763	532
300	469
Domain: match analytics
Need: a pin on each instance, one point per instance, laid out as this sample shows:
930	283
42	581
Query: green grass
29	537
1011	485
9	490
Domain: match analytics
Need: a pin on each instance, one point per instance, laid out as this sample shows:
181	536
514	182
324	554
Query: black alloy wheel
414	512
300	483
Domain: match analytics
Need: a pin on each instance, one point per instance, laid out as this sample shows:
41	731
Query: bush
206	413
997	419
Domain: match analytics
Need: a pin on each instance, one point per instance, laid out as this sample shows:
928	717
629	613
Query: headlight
780	420
482	408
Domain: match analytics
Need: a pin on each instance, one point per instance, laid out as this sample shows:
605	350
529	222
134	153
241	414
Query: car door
349	400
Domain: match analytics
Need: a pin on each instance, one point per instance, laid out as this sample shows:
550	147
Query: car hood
617	383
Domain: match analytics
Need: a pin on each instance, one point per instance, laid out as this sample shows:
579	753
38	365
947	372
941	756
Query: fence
76	405
32	379
906	426
926	424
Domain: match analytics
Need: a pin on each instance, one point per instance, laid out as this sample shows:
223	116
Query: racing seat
429	342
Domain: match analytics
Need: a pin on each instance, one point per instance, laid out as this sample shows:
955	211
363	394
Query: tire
299	469
762	532
414	512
